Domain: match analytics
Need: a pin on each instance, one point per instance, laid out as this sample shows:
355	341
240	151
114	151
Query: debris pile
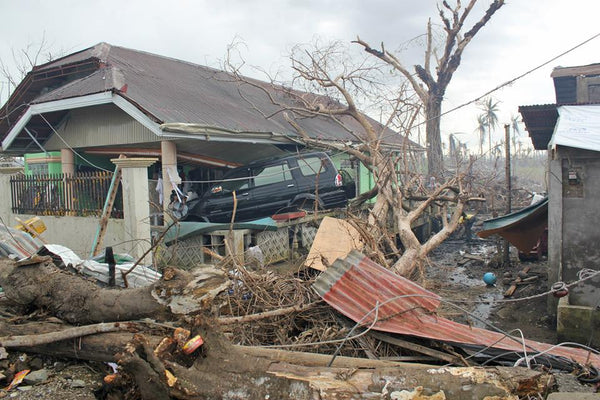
349	328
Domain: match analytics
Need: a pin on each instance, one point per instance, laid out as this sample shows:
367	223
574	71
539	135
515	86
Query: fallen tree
81	301
154	362
334	88
220	370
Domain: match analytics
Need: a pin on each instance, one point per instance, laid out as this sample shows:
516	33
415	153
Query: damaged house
73	115
109	106
570	131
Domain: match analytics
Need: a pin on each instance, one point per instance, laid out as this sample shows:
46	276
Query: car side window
237	180
311	166
272	174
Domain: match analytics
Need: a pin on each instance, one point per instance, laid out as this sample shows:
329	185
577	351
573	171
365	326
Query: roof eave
95	99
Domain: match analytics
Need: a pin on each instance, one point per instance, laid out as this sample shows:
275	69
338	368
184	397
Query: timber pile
184	351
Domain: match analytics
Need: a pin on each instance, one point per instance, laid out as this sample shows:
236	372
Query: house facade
81	111
570	131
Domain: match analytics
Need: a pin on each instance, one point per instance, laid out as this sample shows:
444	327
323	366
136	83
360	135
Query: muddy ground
451	273
454	276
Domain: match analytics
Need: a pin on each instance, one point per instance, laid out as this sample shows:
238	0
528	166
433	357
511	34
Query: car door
273	187
218	204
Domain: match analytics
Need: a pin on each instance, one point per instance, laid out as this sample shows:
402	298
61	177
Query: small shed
570	131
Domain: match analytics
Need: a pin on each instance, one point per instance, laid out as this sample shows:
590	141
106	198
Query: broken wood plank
511	290
34	259
473	257
319	360
266	314
106	211
334	239
417	348
528	280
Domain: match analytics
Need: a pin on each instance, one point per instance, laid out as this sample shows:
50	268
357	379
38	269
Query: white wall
76	233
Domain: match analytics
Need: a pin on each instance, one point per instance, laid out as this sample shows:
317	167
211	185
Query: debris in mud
184	351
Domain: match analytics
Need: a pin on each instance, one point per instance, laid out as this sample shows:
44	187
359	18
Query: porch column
67	160
136	209
168	151
67	163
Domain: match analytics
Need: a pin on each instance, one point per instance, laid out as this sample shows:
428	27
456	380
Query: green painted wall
49	163
43	163
361	175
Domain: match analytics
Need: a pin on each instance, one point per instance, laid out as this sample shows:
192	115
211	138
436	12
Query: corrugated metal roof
355	285
174	91
539	121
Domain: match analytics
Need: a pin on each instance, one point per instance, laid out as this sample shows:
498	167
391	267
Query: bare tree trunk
433	111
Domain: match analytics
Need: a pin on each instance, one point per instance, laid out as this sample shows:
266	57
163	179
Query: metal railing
82	194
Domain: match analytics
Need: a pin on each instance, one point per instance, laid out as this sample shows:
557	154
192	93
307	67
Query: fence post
135	203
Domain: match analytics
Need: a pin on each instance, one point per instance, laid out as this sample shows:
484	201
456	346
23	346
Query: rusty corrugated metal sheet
355	285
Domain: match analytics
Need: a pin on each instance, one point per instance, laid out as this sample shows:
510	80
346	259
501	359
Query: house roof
581	70
539	121
170	91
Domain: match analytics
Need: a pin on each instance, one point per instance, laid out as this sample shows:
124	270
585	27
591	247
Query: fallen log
426	383
225	369
262	377
68	333
71	297
93	347
78	300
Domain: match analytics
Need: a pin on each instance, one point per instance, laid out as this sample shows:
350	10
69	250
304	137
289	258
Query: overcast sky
522	35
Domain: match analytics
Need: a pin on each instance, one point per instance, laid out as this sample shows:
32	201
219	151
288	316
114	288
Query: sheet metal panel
354	286
17	243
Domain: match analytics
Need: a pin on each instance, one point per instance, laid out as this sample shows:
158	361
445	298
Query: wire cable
71	148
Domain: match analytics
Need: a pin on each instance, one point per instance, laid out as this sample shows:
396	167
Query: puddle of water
483	310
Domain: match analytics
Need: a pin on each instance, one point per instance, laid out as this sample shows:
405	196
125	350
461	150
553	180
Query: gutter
181	130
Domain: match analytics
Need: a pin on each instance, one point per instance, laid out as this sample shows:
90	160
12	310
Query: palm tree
490	116
481	131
